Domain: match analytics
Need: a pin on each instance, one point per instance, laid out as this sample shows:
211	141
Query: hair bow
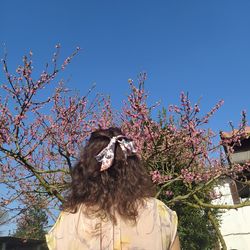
107	155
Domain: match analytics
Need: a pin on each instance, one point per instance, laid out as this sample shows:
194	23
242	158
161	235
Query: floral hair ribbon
107	155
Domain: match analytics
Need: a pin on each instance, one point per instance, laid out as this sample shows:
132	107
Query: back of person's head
120	186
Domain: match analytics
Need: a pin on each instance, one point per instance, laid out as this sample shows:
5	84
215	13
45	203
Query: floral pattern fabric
107	155
155	229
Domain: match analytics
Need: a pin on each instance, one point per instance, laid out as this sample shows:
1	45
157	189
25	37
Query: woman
111	204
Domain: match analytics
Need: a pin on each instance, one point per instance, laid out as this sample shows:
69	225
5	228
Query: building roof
20	243
227	135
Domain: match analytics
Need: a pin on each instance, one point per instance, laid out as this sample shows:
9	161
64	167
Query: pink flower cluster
159	178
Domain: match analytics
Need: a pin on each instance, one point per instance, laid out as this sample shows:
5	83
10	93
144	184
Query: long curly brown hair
123	187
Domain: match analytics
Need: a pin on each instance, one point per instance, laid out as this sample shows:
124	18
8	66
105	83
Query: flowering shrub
40	138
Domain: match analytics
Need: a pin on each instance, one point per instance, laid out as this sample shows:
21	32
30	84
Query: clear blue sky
200	47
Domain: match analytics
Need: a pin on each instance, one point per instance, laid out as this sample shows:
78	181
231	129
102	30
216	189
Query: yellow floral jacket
155	229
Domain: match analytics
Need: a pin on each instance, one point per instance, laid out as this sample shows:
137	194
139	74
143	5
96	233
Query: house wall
235	224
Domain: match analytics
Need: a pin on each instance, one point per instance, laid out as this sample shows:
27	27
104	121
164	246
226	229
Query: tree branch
216	226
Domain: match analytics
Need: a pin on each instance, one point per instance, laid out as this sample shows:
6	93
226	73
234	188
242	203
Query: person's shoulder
154	202
59	220
162	205
163	210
